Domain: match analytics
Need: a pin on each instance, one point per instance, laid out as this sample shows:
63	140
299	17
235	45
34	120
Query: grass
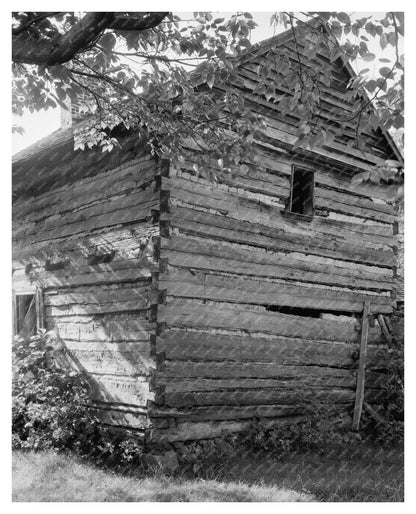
372	475
364	475
46	477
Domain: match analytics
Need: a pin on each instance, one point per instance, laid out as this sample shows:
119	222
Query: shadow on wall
98	299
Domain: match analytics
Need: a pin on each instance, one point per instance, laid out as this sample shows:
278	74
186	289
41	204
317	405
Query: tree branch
63	48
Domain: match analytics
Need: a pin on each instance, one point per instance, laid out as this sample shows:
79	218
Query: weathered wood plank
112	327
222	228
125	241
208	351
182	313
265	396
120	418
123	180
120	390
254	206
278	186
384	328
241	290
144	294
194	252
194	431
236	413
359	398
96	308
211	375
128	209
280	162
252	269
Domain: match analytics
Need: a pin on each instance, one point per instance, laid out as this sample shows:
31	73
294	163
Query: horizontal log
253	206
337	153
70	279
199	253
142	293
205	430
119	390
88	309
111	327
333	99
122	180
125	364
281	161
117	418
221	228
124	241
266	396
107	215
232	413
195	314
218	375
137	347
252	269
241	290
195	431
209	350
60	165
277	186
256	384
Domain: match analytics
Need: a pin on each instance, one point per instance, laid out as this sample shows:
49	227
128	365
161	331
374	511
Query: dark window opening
25	315
302	192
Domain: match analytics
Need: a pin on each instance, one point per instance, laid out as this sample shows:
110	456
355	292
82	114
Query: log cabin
197	307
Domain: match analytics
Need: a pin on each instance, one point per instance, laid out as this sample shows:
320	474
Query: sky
39	125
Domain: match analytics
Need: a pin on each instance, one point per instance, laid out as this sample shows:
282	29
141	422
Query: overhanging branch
61	49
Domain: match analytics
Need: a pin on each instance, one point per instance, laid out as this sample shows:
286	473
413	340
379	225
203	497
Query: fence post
359	395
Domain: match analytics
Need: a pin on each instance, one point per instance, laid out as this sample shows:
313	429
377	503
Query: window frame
37	293
288	211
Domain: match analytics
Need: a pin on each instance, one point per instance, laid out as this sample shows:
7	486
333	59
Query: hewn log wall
92	245
261	314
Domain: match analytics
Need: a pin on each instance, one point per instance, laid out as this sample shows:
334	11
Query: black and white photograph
207	252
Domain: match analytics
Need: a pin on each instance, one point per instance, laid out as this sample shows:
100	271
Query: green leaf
368	57
343	18
384	71
108	41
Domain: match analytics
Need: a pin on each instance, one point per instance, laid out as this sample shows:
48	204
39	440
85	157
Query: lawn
375	475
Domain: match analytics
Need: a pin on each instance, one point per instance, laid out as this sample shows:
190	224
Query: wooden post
384	328
14	304
359	395
40	317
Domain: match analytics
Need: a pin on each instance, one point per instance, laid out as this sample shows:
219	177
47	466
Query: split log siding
230	261
92	246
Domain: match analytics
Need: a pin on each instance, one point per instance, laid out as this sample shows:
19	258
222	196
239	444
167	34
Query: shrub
51	406
389	428
50	403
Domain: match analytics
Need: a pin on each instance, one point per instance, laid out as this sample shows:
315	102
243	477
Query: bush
389	429
322	434
50	406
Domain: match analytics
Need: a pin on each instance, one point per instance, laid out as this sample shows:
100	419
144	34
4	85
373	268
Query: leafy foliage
140	77
49	404
389	429
50	408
